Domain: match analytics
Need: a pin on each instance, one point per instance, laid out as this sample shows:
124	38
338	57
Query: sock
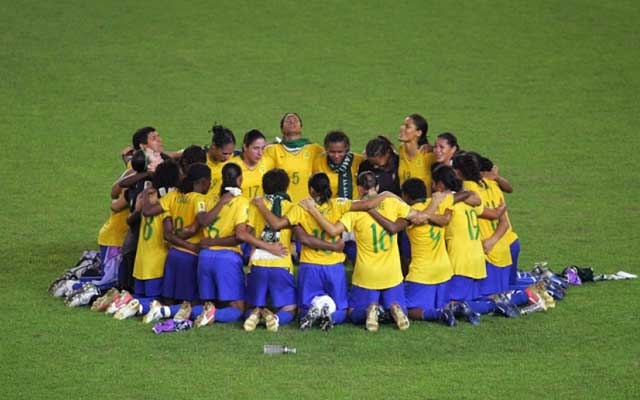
358	315
483	306
145	303
339	316
284	317
173	310
196	310
165	311
432	314
228	314
519	298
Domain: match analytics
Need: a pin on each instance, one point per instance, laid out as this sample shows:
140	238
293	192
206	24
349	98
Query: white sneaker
270	320
123	299
626	275
83	296
64	288
129	310
154	314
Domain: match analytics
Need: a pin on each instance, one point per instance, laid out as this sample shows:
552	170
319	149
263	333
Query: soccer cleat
462	309
252	321
402	322
505	307
536	303
541	290
372	323
103	302
64	288
448	317
184	313
119	302
270	320
310	318
154	314
83	296
129	310
326	322
207	317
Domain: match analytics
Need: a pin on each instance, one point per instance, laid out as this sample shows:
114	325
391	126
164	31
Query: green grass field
547	89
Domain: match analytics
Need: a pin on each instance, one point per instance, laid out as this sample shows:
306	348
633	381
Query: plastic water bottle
271	349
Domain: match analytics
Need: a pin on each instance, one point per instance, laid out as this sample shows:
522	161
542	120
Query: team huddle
261	235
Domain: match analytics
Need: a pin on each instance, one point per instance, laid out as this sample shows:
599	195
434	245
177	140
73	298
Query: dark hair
252	136
195	172
423	126
221	136
414	189
379	146
485	163
451	139
166	175
337	137
367	180
285	117
230	173
139	161
140	136
320	183
468	166
446	175
275	180
192	154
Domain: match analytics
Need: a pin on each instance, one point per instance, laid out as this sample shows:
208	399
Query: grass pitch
547	89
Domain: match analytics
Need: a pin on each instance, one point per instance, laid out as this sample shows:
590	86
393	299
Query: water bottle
271	349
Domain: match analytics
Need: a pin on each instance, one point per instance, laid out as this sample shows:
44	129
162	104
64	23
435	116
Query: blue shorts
220	275
404	245
463	288
361	298
276	283
350	250
425	296
148	287
180	276
317	280
497	280
515	254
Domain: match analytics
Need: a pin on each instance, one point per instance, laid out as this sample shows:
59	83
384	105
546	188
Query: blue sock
228	314
339	316
284	317
195	311
358	315
145	302
432	314
519	298
173	310
482	306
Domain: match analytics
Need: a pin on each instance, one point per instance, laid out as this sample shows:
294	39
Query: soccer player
377	275
181	208
445	148
383	162
220	274
294	154
221	150
271	277
416	158
253	163
339	163
321	269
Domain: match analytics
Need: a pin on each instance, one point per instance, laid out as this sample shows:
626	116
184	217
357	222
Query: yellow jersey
114	230
152	249
320	164
332	210
500	254
417	167
297	165
258	223
377	264
252	177
183	208
234	213
464	243
430	263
